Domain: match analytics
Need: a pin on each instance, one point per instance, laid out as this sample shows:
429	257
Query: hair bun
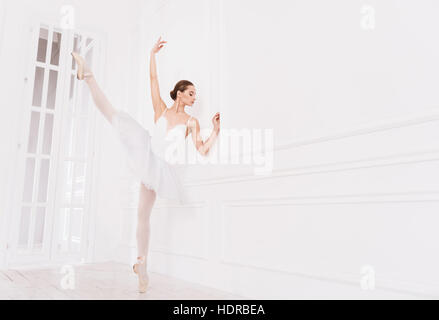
180	86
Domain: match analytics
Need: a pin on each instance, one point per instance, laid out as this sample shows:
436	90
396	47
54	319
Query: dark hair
180	86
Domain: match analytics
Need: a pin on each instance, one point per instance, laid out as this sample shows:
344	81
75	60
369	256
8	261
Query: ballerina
147	154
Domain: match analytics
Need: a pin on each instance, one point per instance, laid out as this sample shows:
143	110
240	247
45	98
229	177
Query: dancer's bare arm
204	147
157	102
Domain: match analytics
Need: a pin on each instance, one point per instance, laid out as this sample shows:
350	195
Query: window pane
72	87
56	45
76	42
33	132
89	55
83	106
76	229
23	235
80	137
79	183
42	45
48	133
40	217
38	87
29	180
67	182
76	137
68	137
64	230
43	180
51	90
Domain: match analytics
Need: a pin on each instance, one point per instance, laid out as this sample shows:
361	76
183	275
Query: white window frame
49	253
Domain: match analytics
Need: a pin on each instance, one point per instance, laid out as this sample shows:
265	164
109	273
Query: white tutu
151	169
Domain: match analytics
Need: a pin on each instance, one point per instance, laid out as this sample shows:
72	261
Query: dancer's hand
159	44
216	122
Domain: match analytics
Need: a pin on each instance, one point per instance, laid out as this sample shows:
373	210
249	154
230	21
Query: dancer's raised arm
157	102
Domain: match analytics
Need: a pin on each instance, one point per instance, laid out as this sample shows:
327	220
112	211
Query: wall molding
345	278
164	251
383	282
204	216
395	123
338	166
345	198
179	254
365	129
3	261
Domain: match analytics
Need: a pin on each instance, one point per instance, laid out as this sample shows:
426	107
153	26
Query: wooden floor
100	281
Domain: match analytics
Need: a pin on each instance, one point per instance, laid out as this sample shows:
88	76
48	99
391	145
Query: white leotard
165	140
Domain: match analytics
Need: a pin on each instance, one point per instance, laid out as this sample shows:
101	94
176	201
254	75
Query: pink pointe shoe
83	71
140	269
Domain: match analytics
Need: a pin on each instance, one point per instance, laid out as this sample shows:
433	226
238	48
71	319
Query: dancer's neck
178	108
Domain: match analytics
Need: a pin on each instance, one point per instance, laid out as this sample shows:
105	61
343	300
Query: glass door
76	160
53	191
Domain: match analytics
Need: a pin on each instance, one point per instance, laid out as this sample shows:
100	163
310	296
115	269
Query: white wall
2	172
2	21
355	115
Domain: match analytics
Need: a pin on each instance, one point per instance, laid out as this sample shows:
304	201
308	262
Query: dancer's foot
83	71
140	269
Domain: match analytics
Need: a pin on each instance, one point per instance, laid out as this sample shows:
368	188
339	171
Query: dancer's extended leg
100	99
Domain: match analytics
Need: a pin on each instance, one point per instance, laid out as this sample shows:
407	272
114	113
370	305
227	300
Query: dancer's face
188	97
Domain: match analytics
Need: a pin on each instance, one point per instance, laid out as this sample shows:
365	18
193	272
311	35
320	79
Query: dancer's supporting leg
147	198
